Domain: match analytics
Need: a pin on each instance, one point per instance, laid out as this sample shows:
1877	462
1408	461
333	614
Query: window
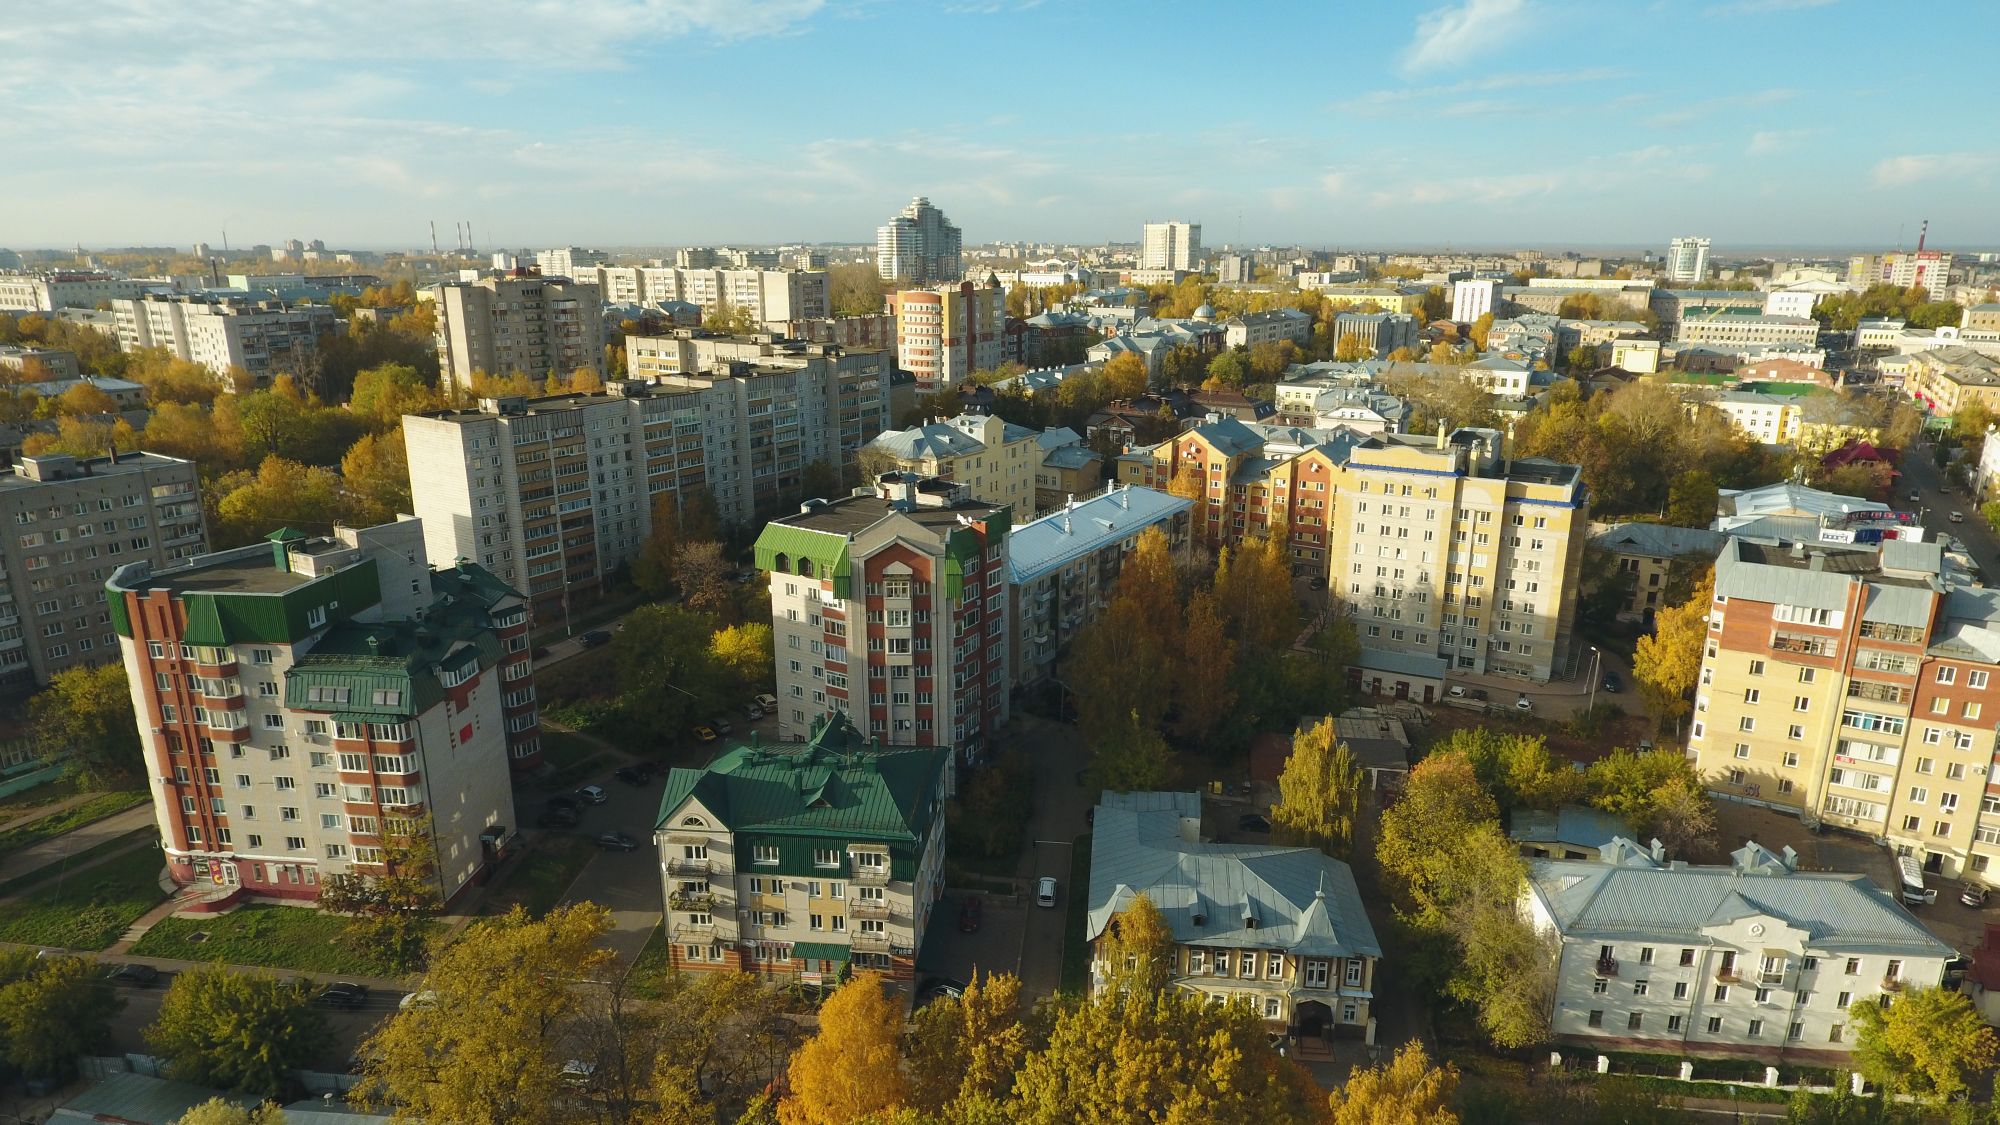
1853	966
764	855
1680	990
1316	972
1721	993
1715	1025
1755	1030
1646	955
1673	1023
1633	1021
1833	1033
1600	986
1639	987
1596	1017
825	857
1687	957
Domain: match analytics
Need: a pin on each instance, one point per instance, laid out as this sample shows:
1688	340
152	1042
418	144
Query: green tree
390	913
745	655
667	675
1133	758
222	1111
235	1030
701	571
1319	793
279	494
58	1012
964	1052
1581	358
1441	806
1225	370
1928	1042
84	719
821	480
1350	348
1692	500
1125	375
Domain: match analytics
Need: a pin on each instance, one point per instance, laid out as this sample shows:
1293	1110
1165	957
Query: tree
83	437
745	654
384	393
1442	804
1225	369
1125	375
492	1046
281	493
1517	769
1204	664
222	1111
668	678
1581	358
1133	757
851	1067
58	1012
1350	348
390	913
674	519
84	718
1928	1042
702	573
376	471
85	399
855	290
1683	818
236	1030
1668	663
966	1051
1137	950
1407	1090
1319	793
820	480
1692	500
1253	588
1480	329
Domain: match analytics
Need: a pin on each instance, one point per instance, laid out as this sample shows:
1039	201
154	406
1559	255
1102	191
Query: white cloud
1333	183
1450	36
1902	171
1769	141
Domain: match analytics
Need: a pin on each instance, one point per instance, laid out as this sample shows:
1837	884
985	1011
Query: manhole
197	937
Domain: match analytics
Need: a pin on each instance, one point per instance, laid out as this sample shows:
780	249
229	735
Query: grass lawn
97	808
89	910
277	937
29	800
651	966
70	863
572	757
1076	955
540	878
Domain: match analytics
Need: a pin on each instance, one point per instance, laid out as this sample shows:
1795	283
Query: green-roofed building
805	858
304	700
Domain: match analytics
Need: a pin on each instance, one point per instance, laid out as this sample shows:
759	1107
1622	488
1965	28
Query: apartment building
891	608
919	246
1282	929
66	289
1062	567
769	296
807	858
993	458
263	338
1378	333
522	322
28	361
1687	261
1170	245
1247	330
68	523
551	495
1851	687
1452	555
1735	327
301	702
1773	419
1902	269
1473	298
945	334
1647	555
769	408
568	261
1068	468
1944	379
1756	958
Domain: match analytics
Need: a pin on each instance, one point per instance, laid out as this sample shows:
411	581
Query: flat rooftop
855	514
97	467
1835	560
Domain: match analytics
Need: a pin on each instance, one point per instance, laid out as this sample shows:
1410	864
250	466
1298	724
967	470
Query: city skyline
546	127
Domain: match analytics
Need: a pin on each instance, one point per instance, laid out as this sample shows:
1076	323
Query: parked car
1958	517
139	976
1479	693
1973	895
594	638
593	795
1524	705
721	725
970	913
1612	683
752	712
704	734
1457	691
1253	822
1318	582
344	994
540	653
1915	498
934	987
768	702
634	775
564	801
1045	891
559	818
616	842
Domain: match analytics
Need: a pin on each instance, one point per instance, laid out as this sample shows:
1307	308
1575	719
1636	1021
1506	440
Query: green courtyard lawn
33	880
76	816
572	759
540	878
89	910
276	937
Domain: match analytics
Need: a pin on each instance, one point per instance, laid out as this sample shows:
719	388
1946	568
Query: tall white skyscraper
1172	245
1687	260
1472	299
918	247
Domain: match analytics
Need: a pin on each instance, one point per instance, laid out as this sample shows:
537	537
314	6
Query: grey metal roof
933	439
1077	529
1630	896
140	1099
1787	498
1897	605
1580	825
1660	540
1248	896
1738	577
1971	626
1071	457
1402	663
1055	437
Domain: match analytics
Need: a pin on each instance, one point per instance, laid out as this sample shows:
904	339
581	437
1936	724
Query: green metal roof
820	951
402	656
827	550
280	617
837	786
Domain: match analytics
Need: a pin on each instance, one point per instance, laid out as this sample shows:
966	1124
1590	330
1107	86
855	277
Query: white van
1912	872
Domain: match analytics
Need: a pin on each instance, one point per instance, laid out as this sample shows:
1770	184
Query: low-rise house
995	459
1069	468
1752	958
1648	552
1282	929
1570	832
805	859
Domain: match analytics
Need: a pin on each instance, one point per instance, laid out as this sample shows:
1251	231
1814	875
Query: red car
969	914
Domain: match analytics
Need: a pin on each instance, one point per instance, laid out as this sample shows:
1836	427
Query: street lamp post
1595	658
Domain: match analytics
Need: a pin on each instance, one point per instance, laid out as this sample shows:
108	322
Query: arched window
693	822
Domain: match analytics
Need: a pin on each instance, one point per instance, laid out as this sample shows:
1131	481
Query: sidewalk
38	856
40	811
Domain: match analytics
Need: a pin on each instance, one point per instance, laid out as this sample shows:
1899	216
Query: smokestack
434	239
1922	233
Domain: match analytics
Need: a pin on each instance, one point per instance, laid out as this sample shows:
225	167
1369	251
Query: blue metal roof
1071	532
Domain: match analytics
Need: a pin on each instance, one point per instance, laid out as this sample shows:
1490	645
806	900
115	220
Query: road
1921	474
1057	752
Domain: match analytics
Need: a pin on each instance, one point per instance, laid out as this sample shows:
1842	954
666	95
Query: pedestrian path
38	856
39	811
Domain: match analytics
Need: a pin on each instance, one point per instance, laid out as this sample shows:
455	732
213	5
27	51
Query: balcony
1726	974
1892	984
862	941
1607	967
868	908
1771	978
682	865
699	901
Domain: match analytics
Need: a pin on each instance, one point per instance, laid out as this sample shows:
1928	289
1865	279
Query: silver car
1045	891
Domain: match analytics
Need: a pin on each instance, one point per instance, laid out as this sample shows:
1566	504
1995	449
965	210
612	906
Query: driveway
1056	751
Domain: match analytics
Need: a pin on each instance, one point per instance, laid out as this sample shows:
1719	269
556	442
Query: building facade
70	289
945	334
805	859
770	407
918	247
303	702
767	296
520	323
1473	299
1281	929
568	261
1850	687
1687	261
1756	958
892	609
1735	327
70	523
552	495
263	338
1170	245
994	459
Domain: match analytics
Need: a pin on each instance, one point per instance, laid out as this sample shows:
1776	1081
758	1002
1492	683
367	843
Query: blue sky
1761	123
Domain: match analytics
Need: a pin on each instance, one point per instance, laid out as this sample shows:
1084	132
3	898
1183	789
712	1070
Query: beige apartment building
264	338
770	407
945	334
519	323
994	459
68	524
1944	379
1856	689
770	296
552	494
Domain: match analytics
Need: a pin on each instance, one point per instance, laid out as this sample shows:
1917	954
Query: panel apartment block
520	323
